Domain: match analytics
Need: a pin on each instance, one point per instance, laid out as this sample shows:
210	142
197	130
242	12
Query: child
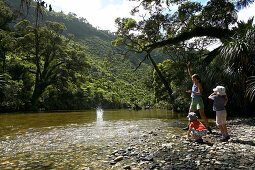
219	98
196	128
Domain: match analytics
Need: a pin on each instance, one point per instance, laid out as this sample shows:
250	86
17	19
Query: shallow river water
79	140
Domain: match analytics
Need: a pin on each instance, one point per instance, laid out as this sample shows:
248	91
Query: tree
6	16
175	74
164	29
6	38
238	56
48	59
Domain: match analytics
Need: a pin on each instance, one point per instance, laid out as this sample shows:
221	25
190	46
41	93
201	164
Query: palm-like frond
243	3
250	91
3	79
239	53
234	65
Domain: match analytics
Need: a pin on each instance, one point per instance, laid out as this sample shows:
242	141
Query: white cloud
102	13
247	13
97	14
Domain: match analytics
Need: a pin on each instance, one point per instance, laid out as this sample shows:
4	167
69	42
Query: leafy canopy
163	27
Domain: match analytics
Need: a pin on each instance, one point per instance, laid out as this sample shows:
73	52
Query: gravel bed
174	151
147	145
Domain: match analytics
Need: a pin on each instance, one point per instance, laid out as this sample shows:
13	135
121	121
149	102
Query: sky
99	13
102	13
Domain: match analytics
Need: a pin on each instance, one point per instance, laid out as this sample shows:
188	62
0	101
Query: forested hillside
53	61
95	74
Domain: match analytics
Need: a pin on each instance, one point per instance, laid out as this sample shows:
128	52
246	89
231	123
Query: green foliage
190	30
50	69
177	77
66	64
219	13
250	92
6	15
11	93
188	10
52	60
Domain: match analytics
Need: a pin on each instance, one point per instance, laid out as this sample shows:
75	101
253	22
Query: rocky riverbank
142	144
173	151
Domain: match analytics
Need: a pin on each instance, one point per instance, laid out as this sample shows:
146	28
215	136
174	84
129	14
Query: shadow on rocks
243	142
247	121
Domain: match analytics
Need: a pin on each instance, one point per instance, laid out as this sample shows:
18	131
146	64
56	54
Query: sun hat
192	116
220	90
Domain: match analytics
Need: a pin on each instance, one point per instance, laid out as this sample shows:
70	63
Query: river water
77	140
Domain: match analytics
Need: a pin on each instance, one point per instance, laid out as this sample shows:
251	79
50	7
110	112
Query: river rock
127	167
119	158
115	152
89	168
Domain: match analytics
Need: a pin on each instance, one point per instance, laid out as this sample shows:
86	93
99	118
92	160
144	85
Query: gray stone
127	167
119	158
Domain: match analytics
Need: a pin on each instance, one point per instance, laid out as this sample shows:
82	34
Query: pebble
119	158
127	167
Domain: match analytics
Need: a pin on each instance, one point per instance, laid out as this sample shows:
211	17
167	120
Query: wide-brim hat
220	90
192	116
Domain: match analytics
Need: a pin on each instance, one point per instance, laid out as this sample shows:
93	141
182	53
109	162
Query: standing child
220	100
196	128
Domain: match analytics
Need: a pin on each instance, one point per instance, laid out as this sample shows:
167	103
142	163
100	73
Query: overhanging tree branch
210	56
196	32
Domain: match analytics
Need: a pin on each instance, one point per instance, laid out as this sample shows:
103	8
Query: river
78	140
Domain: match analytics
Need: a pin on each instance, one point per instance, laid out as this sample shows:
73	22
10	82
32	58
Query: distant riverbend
116	139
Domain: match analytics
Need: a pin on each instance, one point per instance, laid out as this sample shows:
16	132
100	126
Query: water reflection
21	122
99	112
77	138
11	124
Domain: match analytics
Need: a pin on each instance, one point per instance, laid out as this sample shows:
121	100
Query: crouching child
196	129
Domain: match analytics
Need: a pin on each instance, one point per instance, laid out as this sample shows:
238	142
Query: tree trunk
162	78
38	91
3	57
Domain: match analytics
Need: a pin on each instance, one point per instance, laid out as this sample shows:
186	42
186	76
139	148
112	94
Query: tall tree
165	29
6	38
48	55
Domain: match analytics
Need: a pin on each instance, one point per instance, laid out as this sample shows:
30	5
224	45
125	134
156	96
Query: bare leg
203	116
222	131
225	130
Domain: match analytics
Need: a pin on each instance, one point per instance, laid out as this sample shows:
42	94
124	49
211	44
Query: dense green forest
53	61
77	66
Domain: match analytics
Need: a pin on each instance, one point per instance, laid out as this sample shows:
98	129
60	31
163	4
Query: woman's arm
198	92
189	71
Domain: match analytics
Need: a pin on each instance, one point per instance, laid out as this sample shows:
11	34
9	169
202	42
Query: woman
197	101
